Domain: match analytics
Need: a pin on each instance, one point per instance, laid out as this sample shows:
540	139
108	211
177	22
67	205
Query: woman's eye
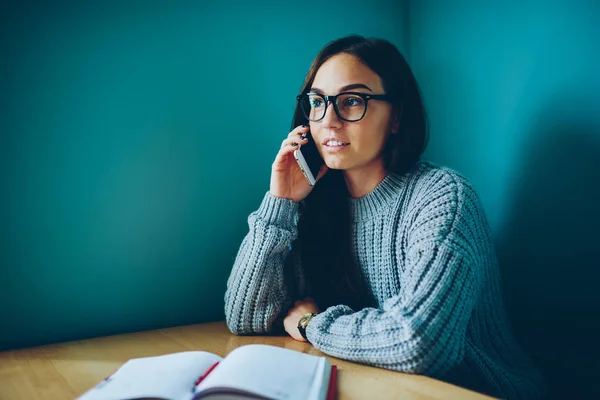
316	103
353	101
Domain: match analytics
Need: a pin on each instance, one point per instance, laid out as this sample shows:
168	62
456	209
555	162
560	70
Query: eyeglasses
349	106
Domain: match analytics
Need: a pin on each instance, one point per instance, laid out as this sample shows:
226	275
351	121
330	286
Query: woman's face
366	138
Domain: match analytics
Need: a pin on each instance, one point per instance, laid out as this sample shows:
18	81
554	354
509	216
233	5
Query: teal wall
127	133
513	94
136	137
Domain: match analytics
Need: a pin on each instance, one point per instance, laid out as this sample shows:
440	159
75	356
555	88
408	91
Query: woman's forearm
256	289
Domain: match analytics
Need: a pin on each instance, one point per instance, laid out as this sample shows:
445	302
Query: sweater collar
364	208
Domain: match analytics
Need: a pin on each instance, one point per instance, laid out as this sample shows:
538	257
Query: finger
283	153
289	148
297	139
299	130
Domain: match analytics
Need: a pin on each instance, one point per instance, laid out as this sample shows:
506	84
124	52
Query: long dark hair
324	232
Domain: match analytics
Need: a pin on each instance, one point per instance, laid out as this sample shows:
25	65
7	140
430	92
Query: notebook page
321	384
269	371
170	376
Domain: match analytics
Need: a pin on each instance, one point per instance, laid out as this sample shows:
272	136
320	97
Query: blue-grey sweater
424	247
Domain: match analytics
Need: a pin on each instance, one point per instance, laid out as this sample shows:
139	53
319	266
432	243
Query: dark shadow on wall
549	249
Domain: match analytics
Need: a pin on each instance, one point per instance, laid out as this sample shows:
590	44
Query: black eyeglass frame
333	99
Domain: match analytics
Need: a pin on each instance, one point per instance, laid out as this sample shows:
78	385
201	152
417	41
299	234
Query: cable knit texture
425	250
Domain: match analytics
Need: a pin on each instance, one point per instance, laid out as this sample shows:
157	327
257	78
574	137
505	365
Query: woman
387	260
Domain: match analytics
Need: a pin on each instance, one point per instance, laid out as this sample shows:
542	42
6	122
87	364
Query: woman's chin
336	164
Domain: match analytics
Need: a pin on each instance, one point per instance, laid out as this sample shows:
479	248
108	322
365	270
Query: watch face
304	320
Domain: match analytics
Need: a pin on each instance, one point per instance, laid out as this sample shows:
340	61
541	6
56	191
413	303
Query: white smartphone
309	159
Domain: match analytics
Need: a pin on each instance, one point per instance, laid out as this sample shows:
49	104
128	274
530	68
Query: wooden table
66	370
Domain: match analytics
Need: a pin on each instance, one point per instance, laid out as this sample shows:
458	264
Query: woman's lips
334	149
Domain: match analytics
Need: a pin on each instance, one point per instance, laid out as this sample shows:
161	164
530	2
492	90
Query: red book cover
332	391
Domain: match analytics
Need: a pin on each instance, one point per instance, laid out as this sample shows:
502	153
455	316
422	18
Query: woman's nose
330	119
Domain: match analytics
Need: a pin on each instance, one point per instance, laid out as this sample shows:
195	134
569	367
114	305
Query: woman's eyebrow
344	88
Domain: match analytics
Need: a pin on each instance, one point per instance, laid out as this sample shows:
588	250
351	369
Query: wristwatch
303	323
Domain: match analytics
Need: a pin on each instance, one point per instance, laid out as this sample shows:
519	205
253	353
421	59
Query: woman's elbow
236	328
429	356
439	358
238	323
245	324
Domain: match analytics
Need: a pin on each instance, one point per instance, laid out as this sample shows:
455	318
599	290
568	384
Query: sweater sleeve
266	269
422	329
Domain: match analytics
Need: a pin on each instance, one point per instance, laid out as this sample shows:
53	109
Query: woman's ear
396	121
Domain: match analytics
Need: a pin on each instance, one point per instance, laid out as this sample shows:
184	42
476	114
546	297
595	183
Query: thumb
322	171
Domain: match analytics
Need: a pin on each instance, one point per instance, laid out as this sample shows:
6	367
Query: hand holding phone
290	177
309	160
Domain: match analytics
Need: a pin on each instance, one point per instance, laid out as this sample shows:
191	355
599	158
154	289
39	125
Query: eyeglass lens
350	107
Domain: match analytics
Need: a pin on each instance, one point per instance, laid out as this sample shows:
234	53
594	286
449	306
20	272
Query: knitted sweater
425	250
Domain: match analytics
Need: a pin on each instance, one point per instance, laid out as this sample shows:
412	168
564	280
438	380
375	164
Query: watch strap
303	323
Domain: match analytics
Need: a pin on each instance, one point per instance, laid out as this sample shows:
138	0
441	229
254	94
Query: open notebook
253	371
